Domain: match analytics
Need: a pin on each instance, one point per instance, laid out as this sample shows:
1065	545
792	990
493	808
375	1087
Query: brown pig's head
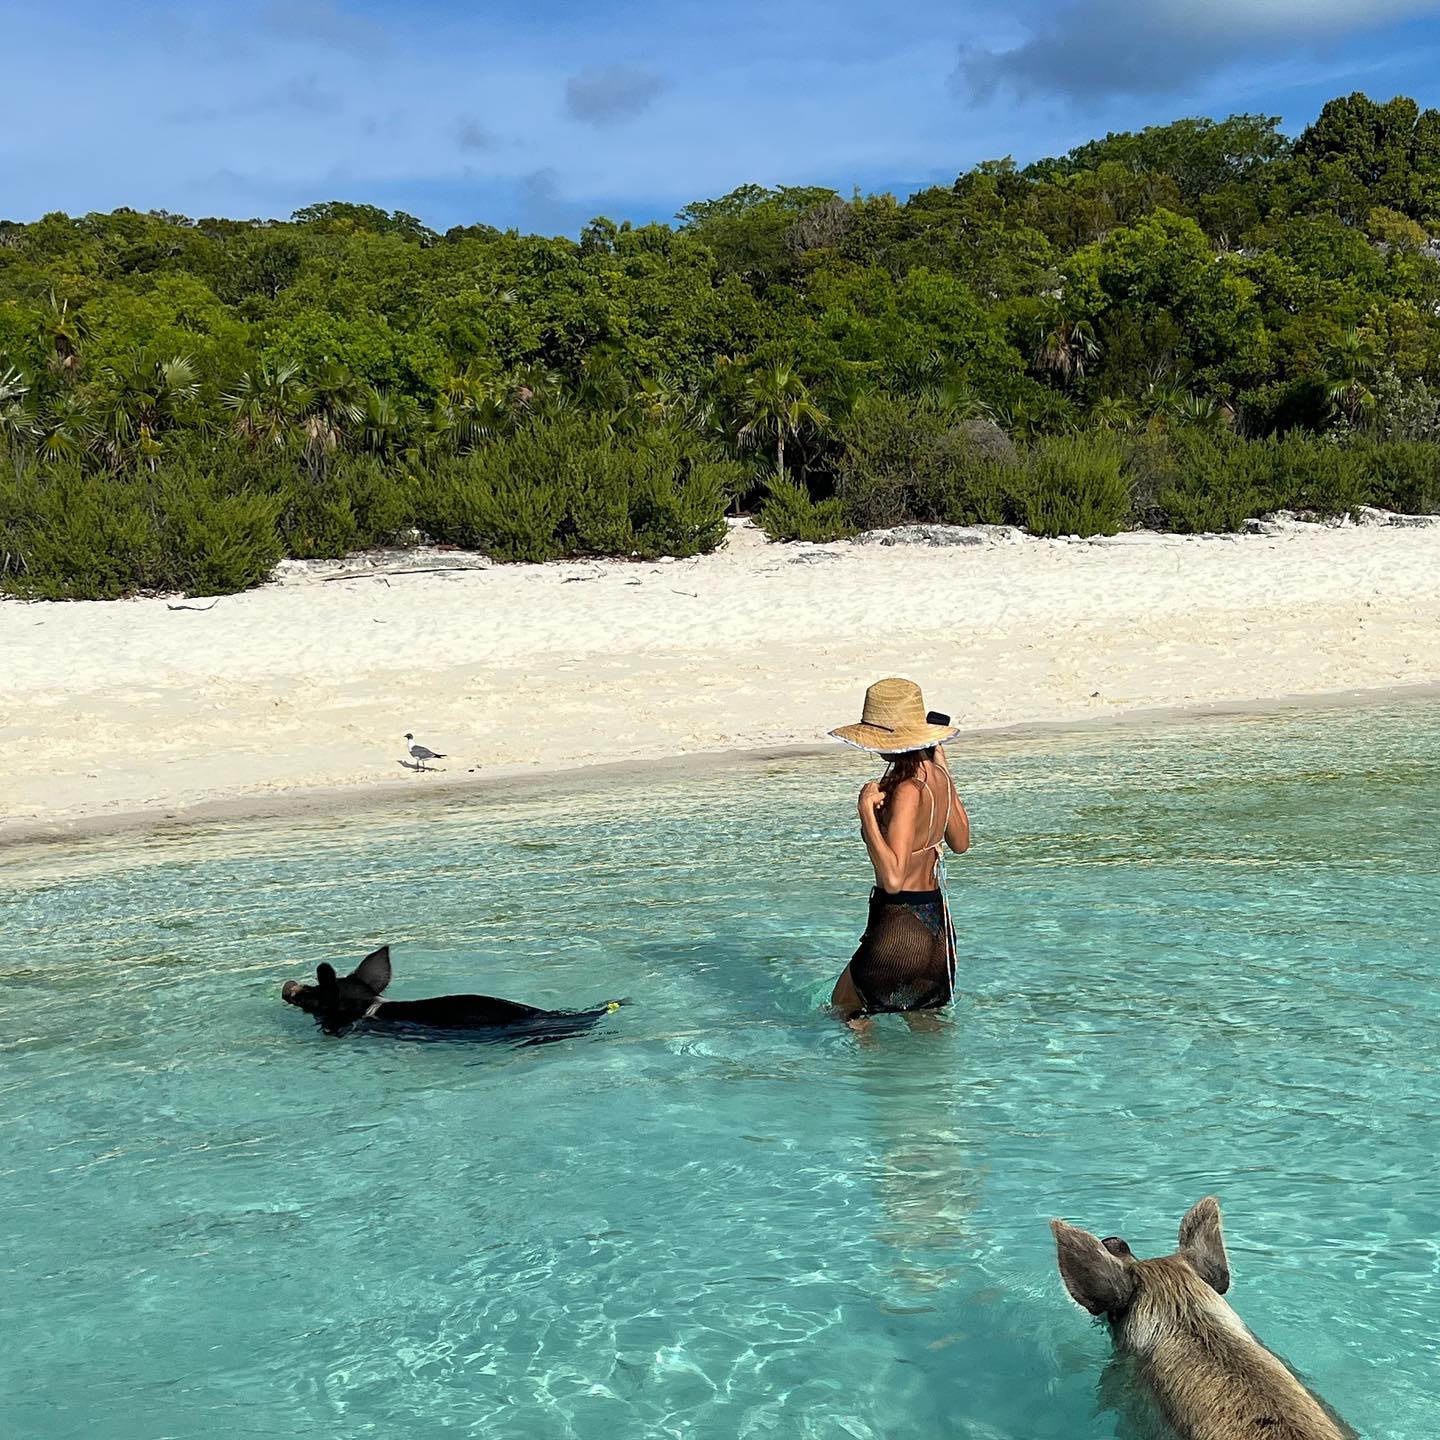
1107	1279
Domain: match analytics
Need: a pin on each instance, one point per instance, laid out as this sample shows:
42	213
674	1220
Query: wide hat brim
895	742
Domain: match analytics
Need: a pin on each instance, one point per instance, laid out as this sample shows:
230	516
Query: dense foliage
1172	327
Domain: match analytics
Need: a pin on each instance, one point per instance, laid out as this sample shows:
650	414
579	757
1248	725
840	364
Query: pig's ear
374	970
1203	1246
325	978
1101	1282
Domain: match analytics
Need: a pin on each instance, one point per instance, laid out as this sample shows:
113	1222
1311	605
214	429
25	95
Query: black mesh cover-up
905	960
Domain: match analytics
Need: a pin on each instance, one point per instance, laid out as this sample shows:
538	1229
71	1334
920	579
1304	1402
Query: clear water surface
1195	958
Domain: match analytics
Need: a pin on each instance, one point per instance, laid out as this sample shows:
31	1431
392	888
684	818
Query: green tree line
1167	327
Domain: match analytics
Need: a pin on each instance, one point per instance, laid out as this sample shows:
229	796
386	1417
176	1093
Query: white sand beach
138	709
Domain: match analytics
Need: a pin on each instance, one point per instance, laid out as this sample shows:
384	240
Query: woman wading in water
906	959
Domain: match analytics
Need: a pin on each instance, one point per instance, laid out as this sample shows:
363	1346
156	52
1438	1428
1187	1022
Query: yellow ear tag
612	1006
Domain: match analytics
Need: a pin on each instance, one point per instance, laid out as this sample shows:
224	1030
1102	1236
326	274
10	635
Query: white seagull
421	753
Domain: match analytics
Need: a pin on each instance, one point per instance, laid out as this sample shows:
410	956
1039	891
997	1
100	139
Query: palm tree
471	409
603	383
1162	401
1065	346
1200	412
932	379
65	428
66	332
660	397
334	409
538	389
665	401
17	424
776	402
385	422
956	401
1351	363
143	401
916	374
1111	412
268	405
1041	412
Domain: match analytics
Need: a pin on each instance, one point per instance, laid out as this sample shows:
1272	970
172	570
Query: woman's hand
872	797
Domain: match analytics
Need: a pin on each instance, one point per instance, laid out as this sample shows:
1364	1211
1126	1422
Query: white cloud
471	135
611	95
322	21
375	100
1284	14
1102	48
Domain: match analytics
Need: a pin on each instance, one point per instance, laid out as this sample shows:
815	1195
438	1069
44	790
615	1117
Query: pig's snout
290	991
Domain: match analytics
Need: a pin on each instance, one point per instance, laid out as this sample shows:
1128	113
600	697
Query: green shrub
316	519
904	461
517	519
80	535
215	516
574	486
1401	475
1150	466
1315	475
891	469
1076	485
681	517
1215	482
213	543
357	503
988	493
1405	409
788	513
478	503
446	502
76	535
600	490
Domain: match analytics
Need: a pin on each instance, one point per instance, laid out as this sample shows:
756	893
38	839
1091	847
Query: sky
545	113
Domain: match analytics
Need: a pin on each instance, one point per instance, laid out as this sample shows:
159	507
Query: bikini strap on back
937	843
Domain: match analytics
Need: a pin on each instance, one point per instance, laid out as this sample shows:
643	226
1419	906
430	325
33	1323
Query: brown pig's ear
1203	1246
1103	1283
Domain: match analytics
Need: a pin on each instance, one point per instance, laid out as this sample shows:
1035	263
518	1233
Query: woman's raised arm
889	855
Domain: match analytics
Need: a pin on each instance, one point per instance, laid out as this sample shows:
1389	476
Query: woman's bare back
925	821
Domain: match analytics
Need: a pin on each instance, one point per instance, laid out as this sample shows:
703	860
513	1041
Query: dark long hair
900	768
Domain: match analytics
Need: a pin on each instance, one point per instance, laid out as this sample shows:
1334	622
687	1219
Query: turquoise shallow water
1194	958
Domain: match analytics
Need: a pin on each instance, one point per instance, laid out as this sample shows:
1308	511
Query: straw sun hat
894	721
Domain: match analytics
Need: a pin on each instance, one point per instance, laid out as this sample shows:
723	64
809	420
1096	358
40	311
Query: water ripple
1193	959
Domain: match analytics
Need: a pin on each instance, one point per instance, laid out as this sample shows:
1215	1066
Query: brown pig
1211	1378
